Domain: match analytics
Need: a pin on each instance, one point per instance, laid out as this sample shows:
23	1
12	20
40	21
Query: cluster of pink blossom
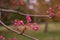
18	2
3	38
50	11
33	26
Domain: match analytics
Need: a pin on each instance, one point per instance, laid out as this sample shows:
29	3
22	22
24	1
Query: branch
19	33
9	10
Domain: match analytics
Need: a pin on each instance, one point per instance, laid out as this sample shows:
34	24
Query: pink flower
28	18
51	10
15	2
15	22
21	2
14	38
58	15
29	24
35	27
9	39
1	36
19	22
47	11
58	7
18	28
22	23
52	14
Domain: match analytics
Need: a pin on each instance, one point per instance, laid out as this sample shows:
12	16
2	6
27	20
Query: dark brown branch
19	33
9	10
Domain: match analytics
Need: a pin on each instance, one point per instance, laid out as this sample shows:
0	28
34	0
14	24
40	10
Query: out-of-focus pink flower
47	12
58	7
15	2
58	15
14	38
15	22
18	28
9	39
51	10
22	23
35	27
1	36
25	28
52	14
28	18
19	22
29	24
21	2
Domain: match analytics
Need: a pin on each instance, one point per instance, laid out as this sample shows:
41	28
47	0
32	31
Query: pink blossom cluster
3	38
18	2
33	26
50	11
18	23
28	18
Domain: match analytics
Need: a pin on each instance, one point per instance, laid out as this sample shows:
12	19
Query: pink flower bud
14	38
28	18
15	2
58	15
22	23
25	28
15	21
15	24
1	36
58	7
18	28
52	14
29	24
9	39
35	27
18	22
47	12
21	2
